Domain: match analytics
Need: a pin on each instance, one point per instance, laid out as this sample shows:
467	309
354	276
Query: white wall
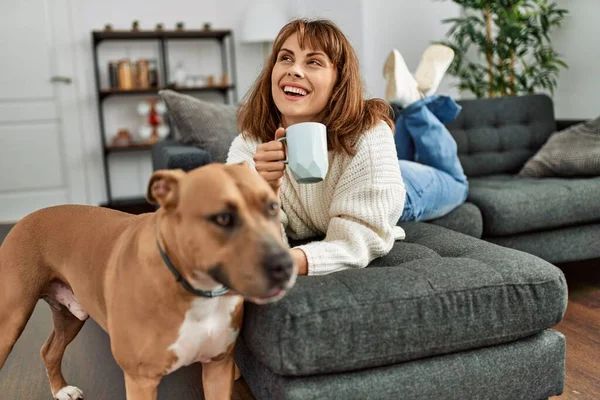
406	25
373	26
578	40
346	15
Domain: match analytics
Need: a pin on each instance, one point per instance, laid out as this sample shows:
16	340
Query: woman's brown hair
347	116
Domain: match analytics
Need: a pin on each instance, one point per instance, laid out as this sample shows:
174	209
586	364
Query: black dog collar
179	278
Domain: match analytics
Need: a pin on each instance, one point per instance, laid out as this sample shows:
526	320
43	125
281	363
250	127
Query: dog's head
220	225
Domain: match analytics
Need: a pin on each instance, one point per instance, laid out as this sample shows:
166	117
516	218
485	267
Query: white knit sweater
356	206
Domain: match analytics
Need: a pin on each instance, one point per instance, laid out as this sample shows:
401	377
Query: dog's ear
163	187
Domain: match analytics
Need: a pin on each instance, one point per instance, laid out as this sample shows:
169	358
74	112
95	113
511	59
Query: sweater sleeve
242	149
367	203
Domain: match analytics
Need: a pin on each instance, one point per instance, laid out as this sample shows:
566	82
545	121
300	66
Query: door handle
61	79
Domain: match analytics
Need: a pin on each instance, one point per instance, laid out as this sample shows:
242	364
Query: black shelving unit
223	37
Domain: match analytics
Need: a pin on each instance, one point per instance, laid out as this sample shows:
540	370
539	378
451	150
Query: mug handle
282	140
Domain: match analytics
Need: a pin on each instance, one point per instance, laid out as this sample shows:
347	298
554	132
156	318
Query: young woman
313	75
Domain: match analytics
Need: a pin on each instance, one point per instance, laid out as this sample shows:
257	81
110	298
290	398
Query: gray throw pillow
208	125
574	151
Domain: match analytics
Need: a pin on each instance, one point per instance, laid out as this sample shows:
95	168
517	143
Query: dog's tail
20	289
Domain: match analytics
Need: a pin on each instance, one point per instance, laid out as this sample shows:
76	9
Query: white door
41	160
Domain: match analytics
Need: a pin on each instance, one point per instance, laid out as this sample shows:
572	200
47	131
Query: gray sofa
555	219
445	314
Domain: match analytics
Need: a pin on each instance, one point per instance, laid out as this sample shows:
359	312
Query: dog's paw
69	393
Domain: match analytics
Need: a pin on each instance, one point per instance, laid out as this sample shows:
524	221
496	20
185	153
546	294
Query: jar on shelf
142	74
179	75
152	73
113	74
125	75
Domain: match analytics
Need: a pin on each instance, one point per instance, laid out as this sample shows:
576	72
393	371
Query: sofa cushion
465	218
498	135
169	154
574	151
437	292
204	124
574	243
511	205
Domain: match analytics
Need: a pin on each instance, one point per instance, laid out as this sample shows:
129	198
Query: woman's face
301	82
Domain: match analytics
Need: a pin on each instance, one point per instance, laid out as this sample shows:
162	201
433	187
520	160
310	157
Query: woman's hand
269	158
300	260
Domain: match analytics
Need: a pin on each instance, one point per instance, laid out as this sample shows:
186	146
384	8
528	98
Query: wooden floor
23	376
581	326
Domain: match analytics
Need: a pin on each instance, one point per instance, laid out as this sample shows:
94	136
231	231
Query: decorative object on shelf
196	81
225	79
153	126
179	75
190	82
113	74
201	80
121	139
125	75
162	130
159	27
211	80
108	28
180	26
135	26
207	27
161	107
262	21
514	39
143	108
122	75
152	73
142	80
145	133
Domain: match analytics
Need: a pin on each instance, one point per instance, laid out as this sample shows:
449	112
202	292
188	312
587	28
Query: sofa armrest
562	124
169	154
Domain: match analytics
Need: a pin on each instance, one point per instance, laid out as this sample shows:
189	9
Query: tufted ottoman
443	316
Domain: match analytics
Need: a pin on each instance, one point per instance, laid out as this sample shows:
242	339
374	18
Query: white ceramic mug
307	157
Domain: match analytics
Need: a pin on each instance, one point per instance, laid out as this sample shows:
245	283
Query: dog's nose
278	265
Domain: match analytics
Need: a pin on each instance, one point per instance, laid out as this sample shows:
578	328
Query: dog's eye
226	220
273	209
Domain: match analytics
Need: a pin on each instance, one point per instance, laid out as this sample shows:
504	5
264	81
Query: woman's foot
401	87
434	63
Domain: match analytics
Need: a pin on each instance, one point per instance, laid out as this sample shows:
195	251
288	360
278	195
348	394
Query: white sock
434	63
401	86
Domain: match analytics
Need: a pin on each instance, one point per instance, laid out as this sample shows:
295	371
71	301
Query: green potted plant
514	53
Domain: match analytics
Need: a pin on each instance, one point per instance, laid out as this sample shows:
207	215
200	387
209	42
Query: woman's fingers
270	166
272	177
279	133
266	156
270	146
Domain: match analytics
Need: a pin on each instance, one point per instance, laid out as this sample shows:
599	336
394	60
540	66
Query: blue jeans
427	154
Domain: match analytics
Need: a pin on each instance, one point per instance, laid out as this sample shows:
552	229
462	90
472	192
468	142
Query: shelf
155	35
112	92
161	39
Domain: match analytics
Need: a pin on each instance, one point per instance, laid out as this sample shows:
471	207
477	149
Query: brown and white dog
217	231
